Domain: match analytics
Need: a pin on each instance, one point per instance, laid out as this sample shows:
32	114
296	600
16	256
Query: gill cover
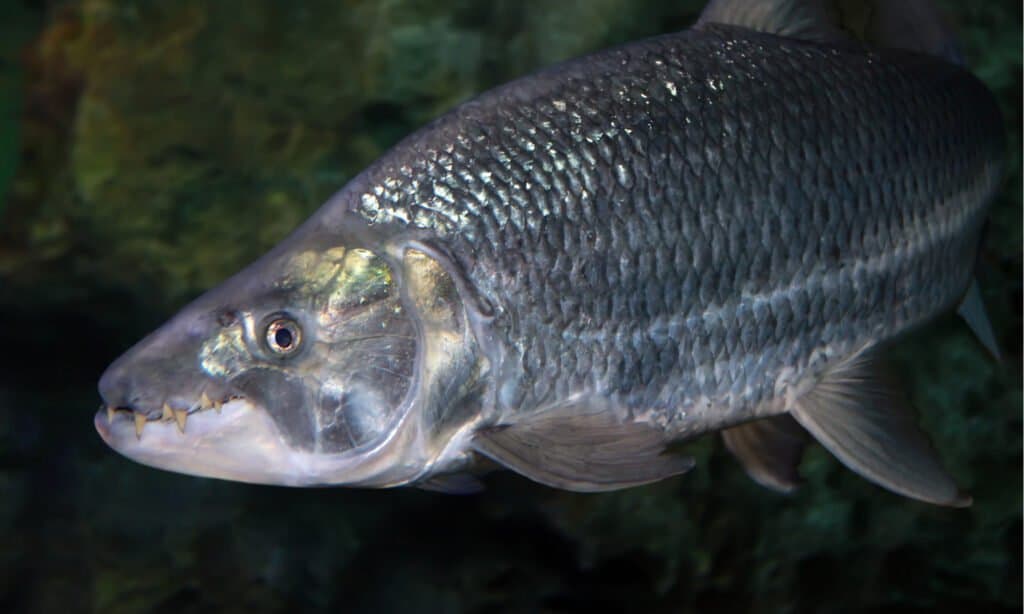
453	368
441	406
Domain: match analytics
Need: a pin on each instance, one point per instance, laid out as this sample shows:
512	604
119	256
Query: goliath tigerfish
714	230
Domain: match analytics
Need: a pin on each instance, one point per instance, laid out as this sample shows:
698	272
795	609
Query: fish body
704	231
687	225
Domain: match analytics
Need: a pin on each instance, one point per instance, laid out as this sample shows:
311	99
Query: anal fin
972	310
770	450
865	422
576	448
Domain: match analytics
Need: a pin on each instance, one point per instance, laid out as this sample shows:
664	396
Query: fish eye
283	336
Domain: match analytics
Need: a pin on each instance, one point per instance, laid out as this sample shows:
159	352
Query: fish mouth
238	440
231	439
140	418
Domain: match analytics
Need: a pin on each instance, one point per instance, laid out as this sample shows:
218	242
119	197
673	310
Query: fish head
320	364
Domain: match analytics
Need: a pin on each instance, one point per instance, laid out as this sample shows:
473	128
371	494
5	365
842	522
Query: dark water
148	149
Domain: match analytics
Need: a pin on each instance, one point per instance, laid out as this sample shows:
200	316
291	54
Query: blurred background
149	149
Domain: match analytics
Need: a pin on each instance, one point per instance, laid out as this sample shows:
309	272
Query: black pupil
283	338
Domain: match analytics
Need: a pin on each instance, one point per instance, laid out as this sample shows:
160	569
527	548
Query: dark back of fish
689	222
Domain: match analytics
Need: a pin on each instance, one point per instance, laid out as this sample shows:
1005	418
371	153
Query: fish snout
159	380
157	368
117	383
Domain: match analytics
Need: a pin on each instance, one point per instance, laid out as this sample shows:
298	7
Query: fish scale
773	199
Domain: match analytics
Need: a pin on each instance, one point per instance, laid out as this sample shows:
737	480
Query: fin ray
915	25
972	310
584	452
770	450
863	420
452	484
803	19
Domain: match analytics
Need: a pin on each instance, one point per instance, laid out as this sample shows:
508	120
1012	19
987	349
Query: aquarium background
149	149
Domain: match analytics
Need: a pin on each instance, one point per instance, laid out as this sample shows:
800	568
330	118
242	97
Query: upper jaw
175	409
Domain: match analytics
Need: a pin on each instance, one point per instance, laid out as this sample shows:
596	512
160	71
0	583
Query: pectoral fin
864	421
452	484
972	310
770	450
583	452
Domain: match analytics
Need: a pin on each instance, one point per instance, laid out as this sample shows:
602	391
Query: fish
719	230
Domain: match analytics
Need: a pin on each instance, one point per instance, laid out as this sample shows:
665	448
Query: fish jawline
242	443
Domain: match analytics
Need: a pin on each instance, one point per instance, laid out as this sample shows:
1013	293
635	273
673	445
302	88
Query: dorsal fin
915	25
804	19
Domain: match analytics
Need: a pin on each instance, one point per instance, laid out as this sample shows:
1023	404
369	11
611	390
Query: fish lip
103	427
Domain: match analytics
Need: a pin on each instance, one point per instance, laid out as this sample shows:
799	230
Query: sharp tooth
168	413
110	413
140	423
205	402
181	415
217	405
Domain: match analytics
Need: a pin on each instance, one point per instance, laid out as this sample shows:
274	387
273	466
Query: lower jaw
240	442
